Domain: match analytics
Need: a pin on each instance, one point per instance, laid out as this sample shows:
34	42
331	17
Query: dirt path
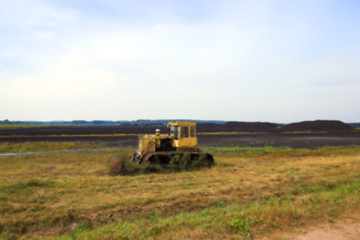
344	232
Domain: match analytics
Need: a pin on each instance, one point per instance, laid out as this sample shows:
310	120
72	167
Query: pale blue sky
278	61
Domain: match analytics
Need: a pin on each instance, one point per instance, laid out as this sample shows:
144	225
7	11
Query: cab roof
182	124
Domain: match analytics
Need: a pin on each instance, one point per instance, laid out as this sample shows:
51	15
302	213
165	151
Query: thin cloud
234	60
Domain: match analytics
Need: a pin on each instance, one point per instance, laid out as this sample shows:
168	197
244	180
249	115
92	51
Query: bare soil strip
345	232
311	141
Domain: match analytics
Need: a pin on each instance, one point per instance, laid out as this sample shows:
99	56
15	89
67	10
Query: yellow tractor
179	143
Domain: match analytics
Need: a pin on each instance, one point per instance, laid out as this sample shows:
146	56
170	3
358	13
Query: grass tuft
241	226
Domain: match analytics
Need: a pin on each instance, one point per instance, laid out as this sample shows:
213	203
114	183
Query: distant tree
6	121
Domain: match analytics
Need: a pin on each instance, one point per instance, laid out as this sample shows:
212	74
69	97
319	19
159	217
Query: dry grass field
250	193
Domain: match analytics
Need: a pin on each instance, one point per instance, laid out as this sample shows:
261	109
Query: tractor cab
184	135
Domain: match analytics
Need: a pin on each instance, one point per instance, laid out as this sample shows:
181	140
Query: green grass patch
270	151
11	147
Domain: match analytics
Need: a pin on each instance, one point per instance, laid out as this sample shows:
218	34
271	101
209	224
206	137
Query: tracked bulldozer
179	143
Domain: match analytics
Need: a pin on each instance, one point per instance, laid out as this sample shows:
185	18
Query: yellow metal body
180	138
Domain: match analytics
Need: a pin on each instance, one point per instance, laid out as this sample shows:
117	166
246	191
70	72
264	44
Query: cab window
192	132
174	131
184	132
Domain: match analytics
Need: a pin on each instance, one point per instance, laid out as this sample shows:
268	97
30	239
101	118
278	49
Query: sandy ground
344	232
346	227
